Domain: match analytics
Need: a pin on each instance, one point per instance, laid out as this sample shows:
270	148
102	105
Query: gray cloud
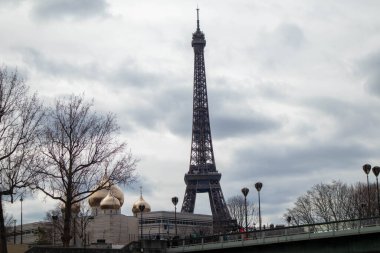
301	160
276	47
169	104
373	83
168	108
131	74
37	60
148	186
354	120
127	73
10	3
370	70
69	9
232	125
289	35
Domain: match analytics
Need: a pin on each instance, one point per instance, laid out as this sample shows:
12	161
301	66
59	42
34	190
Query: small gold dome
110	202
141	201
95	199
117	193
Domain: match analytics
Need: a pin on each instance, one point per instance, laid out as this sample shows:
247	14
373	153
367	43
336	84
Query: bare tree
8	219
83	219
8	223
332	202
302	212
55	217
79	223
236	207
79	147
20	117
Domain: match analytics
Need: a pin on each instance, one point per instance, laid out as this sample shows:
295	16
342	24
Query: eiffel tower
203	176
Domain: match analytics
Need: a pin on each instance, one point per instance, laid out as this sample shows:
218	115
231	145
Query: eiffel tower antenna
197	18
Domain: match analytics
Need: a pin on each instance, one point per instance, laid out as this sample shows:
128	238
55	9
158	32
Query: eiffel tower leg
189	199
220	213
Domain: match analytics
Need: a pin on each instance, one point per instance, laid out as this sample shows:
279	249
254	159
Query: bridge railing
316	228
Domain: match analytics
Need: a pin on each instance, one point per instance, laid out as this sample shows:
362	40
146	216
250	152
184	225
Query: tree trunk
66	237
3	237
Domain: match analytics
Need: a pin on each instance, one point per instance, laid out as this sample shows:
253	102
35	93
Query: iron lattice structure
203	176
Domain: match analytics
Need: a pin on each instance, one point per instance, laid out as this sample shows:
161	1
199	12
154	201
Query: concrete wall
113	228
163	223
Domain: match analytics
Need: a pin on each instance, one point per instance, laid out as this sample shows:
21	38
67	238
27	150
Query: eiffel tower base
224	226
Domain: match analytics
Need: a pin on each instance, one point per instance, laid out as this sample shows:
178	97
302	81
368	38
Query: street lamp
21	199
362	207
258	187
55	218
367	170
289	219
245	191
14	231
376	171
175	202
89	218
141	208
75	229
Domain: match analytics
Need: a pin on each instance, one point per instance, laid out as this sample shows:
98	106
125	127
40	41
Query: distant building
161	224
32	233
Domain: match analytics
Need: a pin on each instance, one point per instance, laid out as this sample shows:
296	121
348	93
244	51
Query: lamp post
362	207
55	218
289	219
367	169
14	231
141	208
175	202
376	171
245	191
258	187
21	199
84	233
75	229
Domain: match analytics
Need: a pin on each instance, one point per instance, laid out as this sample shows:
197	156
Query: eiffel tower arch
203	176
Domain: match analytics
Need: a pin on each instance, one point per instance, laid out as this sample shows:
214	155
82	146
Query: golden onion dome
110	202
117	193
141	201
95	199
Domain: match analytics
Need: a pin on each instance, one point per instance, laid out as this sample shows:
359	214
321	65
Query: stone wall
115	229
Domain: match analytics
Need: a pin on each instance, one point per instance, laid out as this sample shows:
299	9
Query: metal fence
327	229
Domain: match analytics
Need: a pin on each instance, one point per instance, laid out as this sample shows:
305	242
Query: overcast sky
294	87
